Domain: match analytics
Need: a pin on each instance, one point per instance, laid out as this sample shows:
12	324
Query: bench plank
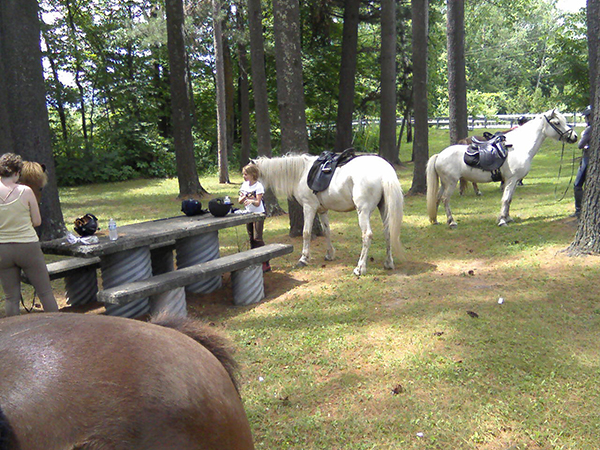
188	275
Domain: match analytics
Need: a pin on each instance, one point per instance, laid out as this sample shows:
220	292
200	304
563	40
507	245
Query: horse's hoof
502	223
358	271
329	257
479	194
388	266
300	264
452	225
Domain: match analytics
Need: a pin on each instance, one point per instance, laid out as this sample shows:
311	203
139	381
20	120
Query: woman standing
19	243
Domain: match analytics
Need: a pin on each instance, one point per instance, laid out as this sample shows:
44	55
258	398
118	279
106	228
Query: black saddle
322	170
489	154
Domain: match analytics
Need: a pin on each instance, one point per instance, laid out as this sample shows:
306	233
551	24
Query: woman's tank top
15	223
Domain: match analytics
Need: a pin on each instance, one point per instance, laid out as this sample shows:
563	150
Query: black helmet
86	225
218	207
191	207
587	111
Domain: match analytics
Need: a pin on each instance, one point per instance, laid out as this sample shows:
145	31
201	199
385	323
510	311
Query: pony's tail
433	187
7	437
202	333
393	199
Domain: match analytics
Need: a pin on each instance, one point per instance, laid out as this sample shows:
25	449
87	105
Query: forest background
107	76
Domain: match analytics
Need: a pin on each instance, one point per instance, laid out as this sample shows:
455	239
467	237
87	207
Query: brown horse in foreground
91	382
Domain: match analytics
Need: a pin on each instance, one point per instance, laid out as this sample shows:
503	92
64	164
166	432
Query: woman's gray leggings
29	257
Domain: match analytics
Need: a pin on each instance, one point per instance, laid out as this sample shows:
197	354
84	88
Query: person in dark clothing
584	143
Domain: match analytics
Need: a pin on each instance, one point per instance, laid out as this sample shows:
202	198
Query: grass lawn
421	357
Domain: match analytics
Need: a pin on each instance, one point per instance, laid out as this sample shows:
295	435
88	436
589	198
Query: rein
562	153
558	131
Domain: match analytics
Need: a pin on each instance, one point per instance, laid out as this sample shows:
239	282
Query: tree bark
593	25
259	79
221	93
23	95
343	135
387	124
587	237
244	102
420	19
290	84
189	185
457	82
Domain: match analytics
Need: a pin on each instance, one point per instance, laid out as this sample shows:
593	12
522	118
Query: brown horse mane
201	332
34	175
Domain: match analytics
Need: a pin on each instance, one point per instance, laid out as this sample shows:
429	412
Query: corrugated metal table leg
82	287
199	249
124	267
248	285
173	301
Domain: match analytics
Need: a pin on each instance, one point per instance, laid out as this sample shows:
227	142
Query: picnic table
145	249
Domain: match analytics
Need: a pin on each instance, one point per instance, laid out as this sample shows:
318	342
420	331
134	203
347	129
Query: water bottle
227	200
112	230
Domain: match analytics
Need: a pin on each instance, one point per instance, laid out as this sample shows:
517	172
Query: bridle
561	134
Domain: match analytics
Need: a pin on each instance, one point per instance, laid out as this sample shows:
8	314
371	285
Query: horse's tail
393	199
433	187
7	438
201	332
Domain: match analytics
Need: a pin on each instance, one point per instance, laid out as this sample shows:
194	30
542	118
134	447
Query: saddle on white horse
488	155
322	170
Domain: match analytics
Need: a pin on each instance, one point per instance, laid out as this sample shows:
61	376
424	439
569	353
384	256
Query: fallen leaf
473	314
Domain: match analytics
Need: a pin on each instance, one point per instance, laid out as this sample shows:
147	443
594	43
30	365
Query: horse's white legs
364	220
509	190
389	257
446	191
330	254
309	217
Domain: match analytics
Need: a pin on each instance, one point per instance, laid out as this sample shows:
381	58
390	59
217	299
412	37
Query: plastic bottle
112	230
227	200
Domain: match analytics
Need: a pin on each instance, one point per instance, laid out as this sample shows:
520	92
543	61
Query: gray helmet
587	111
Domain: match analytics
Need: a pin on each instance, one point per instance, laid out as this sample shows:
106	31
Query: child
251	194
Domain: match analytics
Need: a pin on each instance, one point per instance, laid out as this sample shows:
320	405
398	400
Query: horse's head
558	124
34	175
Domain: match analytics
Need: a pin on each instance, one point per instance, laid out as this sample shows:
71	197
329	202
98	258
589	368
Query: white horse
448	166
364	183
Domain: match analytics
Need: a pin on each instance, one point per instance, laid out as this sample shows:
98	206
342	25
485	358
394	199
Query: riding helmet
191	207
86	225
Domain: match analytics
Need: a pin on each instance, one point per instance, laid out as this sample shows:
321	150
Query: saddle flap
322	170
488	155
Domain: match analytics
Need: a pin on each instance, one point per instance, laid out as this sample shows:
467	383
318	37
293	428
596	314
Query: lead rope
562	153
32	302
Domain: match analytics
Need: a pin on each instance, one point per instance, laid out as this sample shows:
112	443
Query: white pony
364	183
448	166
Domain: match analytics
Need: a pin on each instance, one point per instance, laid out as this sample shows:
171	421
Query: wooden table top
148	233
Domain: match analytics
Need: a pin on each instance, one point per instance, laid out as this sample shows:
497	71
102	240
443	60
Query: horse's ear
43	167
252	161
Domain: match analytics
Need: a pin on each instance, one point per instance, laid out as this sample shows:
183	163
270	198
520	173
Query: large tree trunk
290	85
593	25
587	238
343	133
420	20
387	124
221	94
23	97
259	79
457	82
189	185
243	95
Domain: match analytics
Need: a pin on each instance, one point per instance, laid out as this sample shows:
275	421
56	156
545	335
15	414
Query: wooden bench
161	283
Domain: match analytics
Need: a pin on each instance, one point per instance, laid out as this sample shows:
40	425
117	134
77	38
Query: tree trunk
593	25
259	79
457	82
343	135
587	238
23	96
229	93
297	221
387	124
189	185
221	94
420	30
290	85
244	101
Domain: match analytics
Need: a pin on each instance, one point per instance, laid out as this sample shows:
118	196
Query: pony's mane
33	175
283	173
201	332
